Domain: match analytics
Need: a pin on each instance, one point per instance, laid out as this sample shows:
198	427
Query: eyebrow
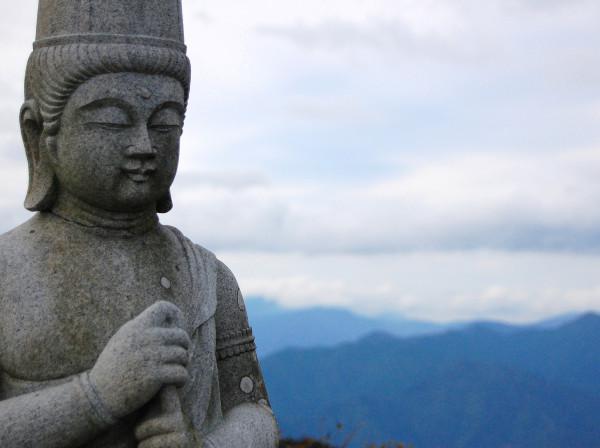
116	102
171	105
106	102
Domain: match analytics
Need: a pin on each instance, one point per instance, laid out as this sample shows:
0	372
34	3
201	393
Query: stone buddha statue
117	331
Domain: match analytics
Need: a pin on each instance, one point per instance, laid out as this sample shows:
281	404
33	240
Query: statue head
106	89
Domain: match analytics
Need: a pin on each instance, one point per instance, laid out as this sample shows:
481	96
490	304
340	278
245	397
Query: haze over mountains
277	328
478	386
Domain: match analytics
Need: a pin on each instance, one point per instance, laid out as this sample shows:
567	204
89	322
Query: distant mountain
502	327
470	388
276	328
558	321
260	307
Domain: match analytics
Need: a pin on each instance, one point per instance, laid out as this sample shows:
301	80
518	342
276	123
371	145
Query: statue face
118	144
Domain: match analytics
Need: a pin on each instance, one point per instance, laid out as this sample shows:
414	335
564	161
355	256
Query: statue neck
74	210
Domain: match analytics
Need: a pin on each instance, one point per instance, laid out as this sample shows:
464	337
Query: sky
438	159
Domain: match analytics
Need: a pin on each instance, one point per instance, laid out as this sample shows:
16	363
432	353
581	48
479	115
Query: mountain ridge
467	388
277	328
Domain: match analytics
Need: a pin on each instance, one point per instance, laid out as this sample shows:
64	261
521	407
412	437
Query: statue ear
42	185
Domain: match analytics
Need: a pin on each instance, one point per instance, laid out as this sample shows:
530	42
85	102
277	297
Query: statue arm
248	419
146	353
56	417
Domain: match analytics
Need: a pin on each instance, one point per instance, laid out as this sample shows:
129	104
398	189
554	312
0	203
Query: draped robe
66	289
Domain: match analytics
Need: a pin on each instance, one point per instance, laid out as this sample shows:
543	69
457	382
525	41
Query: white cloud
472	201
440	286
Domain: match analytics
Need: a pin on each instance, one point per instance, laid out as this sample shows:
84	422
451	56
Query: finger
173	355
169	401
163	415
170	336
155	427
162	314
174	440
174	375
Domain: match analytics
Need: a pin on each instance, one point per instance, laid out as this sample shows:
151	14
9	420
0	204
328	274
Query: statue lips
139	175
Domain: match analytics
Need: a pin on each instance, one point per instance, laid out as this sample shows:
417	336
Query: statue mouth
139	175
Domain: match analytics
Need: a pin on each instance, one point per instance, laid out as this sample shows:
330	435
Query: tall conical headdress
143	22
79	39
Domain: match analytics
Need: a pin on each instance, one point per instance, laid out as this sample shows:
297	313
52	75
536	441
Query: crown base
69	39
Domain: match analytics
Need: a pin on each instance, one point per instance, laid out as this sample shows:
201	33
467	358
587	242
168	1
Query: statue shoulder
231	316
19	248
240	376
17	244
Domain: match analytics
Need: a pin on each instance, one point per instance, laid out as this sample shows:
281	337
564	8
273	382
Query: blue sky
438	159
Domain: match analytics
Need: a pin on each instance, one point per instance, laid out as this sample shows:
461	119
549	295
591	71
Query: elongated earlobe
165	203
42	184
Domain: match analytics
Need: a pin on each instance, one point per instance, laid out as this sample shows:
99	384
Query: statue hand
164	425
146	353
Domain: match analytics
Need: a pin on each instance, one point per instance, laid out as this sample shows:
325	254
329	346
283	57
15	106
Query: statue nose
141	147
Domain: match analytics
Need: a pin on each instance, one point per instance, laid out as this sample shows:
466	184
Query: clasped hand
164	425
147	355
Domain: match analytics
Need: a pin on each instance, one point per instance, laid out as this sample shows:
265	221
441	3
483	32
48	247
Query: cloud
380	35
550	5
440	286
232	181
473	201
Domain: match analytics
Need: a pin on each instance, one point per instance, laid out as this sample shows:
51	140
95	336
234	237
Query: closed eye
109	126
107	113
164	128
167	119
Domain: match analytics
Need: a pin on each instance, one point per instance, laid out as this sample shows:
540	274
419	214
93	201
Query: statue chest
61	307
